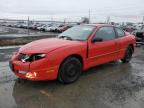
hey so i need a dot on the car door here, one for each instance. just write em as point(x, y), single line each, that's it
point(122, 42)
point(105, 50)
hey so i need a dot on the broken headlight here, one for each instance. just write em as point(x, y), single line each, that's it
point(38, 56)
point(30, 58)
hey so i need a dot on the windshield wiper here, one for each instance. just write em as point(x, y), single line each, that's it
point(66, 37)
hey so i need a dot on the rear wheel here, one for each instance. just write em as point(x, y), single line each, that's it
point(128, 55)
point(70, 70)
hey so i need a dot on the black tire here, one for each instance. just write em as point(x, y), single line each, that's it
point(128, 55)
point(70, 70)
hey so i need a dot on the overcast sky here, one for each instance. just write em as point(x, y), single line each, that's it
point(119, 10)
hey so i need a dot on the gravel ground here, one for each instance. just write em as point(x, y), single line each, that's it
point(20, 32)
point(19, 36)
point(11, 30)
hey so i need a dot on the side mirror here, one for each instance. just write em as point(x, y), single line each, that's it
point(97, 40)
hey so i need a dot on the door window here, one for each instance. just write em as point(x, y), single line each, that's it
point(120, 32)
point(106, 33)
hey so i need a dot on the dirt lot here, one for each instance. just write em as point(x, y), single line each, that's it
point(20, 32)
point(11, 30)
point(19, 36)
point(113, 85)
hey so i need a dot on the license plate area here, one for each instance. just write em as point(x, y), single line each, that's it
point(22, 72)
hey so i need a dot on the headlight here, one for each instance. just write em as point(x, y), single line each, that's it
point(38, 56)
point(25, 58)
point(31, 58)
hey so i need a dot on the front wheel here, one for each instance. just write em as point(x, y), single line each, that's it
point(70, 70)
point(128, 55)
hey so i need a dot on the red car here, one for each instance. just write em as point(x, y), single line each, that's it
point(75, 50)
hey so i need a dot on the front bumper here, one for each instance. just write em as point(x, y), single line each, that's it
point(34, 71)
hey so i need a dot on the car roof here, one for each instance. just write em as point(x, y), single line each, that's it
point(98, 25)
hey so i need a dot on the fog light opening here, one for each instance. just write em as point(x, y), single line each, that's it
point(31, 75)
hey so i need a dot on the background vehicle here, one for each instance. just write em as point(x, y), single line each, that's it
point(55, 27)
point(139, 36)
point(46, 27)
point(63, 28)
point(77, 49)
point(42, 27)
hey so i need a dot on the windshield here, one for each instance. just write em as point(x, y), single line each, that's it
point(79, 32)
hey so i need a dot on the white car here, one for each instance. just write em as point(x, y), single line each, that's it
point(55, 27)
point(48, 28)
point(41, 27)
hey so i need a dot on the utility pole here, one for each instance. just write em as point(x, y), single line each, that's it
point(89, 15)
point(143, 20)
point(52, 19)
point(64, 20)
point(108, 20)
point(28, 25)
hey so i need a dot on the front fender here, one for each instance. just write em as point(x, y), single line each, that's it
point(56, 57)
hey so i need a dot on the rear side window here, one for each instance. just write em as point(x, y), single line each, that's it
point(120, 32)
point(106, 33)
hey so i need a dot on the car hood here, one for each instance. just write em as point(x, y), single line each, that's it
point(46, 45)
